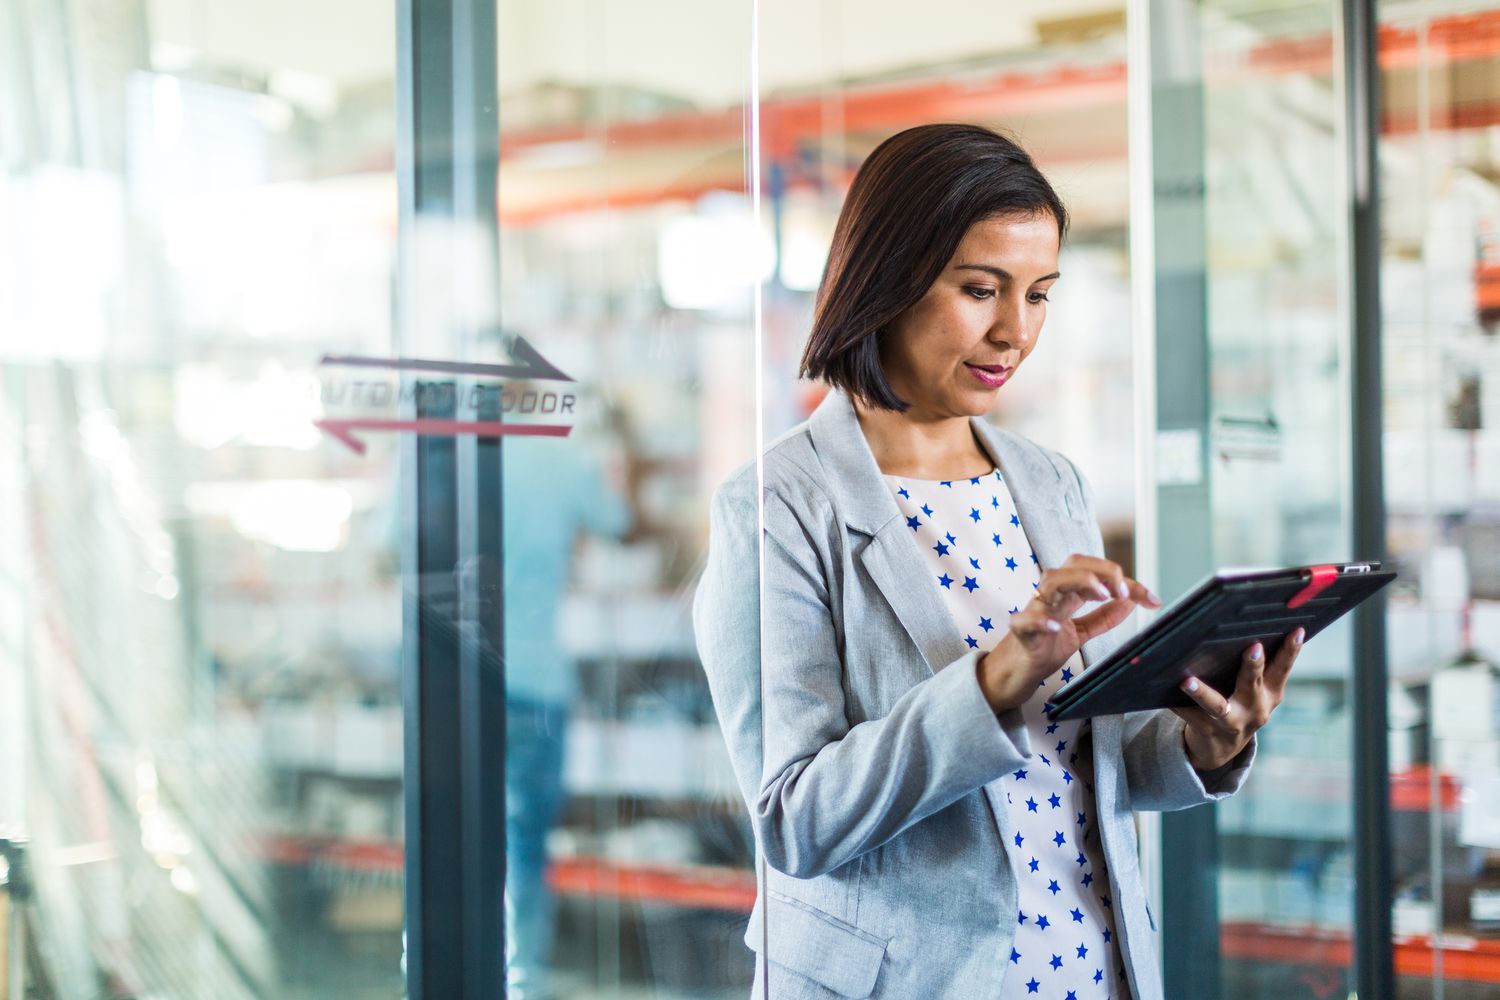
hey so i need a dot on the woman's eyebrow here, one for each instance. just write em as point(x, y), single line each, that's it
point(1001, 272)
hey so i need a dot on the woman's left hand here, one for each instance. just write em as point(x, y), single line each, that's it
point(1219, 728)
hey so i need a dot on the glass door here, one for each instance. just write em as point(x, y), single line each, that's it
point(1242, 193)
point(200, 739)
point(629, 257)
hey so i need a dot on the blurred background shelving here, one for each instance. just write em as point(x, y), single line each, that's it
point(207, 593)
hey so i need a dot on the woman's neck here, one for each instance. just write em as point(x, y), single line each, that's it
point(943, 448)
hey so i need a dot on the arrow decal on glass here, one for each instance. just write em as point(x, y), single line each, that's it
point(532, 366)
point(343, 429)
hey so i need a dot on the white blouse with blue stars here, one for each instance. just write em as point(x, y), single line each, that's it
point(985, 570)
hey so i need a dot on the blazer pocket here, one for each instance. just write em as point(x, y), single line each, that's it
point(820, 946)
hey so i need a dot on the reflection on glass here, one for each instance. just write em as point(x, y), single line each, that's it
point(1439, 268)
point(553, 495)
point(1278, 473)
point(201, 628)
point(628, 257)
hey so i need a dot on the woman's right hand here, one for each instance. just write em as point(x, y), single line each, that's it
point(1044, 634)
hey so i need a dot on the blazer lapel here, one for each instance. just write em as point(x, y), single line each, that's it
point(1050, 516)
point(896, 565)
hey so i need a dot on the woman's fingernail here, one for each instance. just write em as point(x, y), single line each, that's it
point(1053, 626)
point(1152, 595)
point(1124, 589)
point(1257, 651)
point(1299, 635)
point(1191, 684)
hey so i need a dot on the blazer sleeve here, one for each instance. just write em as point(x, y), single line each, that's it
point(1157, 770)
point(822, 792)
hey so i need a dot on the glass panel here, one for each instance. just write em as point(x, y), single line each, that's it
point(200, 641)
point(1440, 277)
point(835, 83)
point(1254, 106)
point(629, 258)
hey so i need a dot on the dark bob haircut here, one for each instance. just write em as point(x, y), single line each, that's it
point(911, 203)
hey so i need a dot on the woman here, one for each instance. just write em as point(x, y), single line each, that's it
point(928, 832)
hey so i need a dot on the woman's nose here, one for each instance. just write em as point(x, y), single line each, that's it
point(1010, 326)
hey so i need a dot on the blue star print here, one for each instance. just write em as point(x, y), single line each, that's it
point(961, 504)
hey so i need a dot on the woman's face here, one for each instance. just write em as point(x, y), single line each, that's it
point(949, 354)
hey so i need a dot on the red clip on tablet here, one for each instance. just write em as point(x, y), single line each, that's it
point(1322, 576)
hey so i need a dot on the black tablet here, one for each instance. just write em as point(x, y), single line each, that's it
point(1206, 633)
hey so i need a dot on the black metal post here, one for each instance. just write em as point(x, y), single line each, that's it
point(1374, 971)
point(447, 159)
point(430, 698)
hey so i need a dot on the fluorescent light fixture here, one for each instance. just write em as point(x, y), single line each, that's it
point(298, 515)
point(714, 259)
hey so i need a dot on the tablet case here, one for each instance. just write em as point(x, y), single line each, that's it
point(1207, 632)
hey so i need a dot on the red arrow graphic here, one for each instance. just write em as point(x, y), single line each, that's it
point(343, 429)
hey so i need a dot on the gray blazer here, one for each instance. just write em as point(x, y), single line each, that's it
point(863, 745)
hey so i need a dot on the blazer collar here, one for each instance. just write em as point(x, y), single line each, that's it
point(854, 480)
point(892, 559)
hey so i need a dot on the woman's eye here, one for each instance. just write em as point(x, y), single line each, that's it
point(1039, 297)
point(980, 292)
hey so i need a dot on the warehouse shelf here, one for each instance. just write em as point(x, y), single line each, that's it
point(786, 121)
point(733, 890)
point(789, 123)
point(1469, 959)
